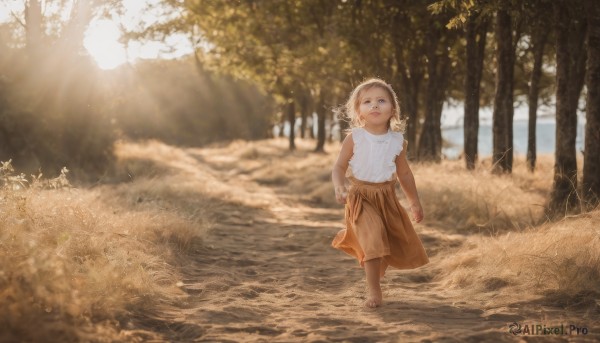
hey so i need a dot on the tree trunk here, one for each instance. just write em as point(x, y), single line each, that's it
point(591, 161)
point(503, 99)
point(303, 119)
point(511, 109)
point(540, 36)
point(321, 116)
point(428, 141)
point(303, 101)
point(282, 122)
point(443, 76)
point(410, 77)
point(569, 77)
point(475, 54)
point(291, 116)
point(311, 126)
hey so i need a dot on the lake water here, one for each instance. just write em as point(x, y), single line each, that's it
point(545, 138)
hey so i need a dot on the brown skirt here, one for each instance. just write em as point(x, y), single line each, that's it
point(377, 226)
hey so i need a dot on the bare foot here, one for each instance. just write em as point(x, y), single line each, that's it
point(374, 299)
point(372, 273)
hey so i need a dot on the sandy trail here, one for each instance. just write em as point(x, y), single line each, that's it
point(269, 274)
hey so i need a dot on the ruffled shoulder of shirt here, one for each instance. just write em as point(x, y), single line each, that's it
point(358, 134)
point(397, 142)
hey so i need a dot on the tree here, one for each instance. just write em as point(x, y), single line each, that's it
point(510, 19)
point(570, 72)
point(408, 28)
point(475, 35)
point(321, 118)
point(438, 70)
point(591, 163)
point(305, 104)
point(291, 115)
point(503, 99)
point(539, 35)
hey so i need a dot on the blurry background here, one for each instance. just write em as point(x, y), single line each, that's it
point(77, 75)
point(70, 85)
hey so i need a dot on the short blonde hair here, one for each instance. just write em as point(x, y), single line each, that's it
point(353, 103)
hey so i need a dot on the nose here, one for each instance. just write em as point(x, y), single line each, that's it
point(375, 105)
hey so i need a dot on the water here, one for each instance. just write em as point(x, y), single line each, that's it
point(545, 138)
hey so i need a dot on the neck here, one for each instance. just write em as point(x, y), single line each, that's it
point(376, 129)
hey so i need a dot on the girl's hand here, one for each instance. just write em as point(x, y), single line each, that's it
point(341, 193)
point(417, 212)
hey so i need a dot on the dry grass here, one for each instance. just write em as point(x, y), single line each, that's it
point(69, 260)
point(560, 261)
point(472, 201)
point(82, 263)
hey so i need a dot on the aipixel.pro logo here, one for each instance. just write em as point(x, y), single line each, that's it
point(543, 330)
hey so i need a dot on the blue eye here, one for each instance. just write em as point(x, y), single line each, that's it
point(381, 101)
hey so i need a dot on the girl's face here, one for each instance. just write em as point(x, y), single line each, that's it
point(375, 107)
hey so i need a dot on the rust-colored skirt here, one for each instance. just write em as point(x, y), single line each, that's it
point(378, 226)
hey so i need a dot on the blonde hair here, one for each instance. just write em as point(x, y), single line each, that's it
point(351, 107)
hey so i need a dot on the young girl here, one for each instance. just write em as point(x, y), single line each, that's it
point(378, 231)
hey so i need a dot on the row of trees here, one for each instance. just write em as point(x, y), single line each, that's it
point(481, 52)
point(308, 55)
point(574, 32)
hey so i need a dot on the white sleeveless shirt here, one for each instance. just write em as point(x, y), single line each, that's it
point(374, 158)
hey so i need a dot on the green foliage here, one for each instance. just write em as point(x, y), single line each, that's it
point(282, 46)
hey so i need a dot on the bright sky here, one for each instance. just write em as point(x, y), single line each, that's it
point(103, 35)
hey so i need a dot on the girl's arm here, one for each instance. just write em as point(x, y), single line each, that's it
point(338, 175)
point(407, 182)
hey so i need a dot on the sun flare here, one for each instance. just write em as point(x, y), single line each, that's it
point(102, 42)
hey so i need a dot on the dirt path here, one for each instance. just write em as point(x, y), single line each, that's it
point(264, 275)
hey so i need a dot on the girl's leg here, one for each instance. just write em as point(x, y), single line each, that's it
point(372, 272)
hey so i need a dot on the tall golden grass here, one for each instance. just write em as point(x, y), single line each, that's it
point(557, 262)
point(462, 200)
point(69, 260)
point(83, 263)
point(93, 263)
